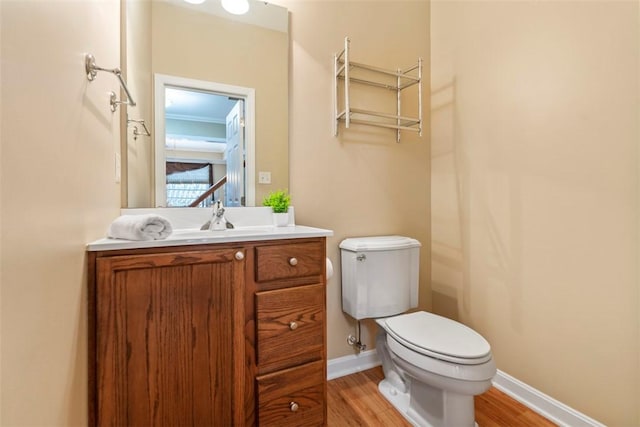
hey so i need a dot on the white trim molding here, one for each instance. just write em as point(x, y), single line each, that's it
point(539, 402)
point(347, 365)
point(535, 400)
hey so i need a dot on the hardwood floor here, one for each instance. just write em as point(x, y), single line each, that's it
point(354, 400)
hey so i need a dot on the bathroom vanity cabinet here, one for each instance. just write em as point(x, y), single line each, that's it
point(213, 334)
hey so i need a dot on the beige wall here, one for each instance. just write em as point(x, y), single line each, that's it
point(535, 184)
point(57, 193)
point(138, 153)
point(206, 47)
point(361, 182)
point(535, 136)
point(1, 364)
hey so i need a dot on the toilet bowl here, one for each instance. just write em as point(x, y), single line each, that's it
point(433, 366)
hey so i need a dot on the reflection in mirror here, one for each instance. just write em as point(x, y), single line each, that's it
point(206, 44)
point(194, 147)
point(208, 155)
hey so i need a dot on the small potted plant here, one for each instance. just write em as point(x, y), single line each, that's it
point(278, 201)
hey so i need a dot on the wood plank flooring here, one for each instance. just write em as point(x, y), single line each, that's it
point(354, 400)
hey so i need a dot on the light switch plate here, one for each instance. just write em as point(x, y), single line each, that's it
point(264, 177)
point(118, 168)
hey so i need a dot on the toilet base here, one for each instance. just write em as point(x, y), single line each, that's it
point(399, 400)
point(402, 402)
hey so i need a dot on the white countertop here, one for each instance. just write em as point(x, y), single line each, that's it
point(195, 236)
point(251, 224)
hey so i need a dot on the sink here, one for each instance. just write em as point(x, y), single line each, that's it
point(194, 233)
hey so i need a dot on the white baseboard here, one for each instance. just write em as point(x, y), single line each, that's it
point(535, 400)
point(539, 402)
point(351, 364)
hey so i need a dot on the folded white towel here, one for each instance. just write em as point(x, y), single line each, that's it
point(140, 227)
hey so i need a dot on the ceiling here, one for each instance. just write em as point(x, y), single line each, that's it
point(261, 13)
point(185, 104)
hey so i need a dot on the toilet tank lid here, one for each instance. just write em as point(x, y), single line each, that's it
point(378, 243)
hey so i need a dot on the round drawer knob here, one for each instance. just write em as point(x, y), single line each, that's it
point(293, 261)
point(294, 406)
point(239, 255)
point(293, 325)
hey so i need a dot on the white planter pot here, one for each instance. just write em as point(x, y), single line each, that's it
point(281, 219)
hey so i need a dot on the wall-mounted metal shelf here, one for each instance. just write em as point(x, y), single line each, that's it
point(402, 79)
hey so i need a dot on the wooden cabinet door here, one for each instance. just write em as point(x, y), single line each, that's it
point(170, 342)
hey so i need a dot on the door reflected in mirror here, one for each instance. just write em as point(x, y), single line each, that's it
point(208, 129)
point(205, 44)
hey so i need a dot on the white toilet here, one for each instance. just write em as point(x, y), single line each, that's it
point(433, 366)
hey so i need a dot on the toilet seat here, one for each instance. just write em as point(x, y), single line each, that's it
point(438, 337)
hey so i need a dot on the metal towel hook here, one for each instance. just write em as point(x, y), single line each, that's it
point(92, 71)
point(136, 132)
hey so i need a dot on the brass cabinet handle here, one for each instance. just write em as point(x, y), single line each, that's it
point(239, 255)
point(294, 406)
point(293, 325)
point(293, 261)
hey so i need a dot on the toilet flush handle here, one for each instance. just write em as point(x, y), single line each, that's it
point(361, 257)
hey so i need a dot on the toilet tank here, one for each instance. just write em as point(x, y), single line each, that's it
point(379, 275)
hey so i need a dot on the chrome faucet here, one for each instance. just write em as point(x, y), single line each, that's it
point(218, 220)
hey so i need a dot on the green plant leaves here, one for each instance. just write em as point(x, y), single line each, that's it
point(278, 200)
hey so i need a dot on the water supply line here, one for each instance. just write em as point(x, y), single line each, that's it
point(357, 342)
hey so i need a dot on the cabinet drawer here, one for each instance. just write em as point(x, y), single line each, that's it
point(293, 397)
point(290, 325)
point(275, 262)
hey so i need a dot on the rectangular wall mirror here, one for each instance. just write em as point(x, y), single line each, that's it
point(175, 43)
